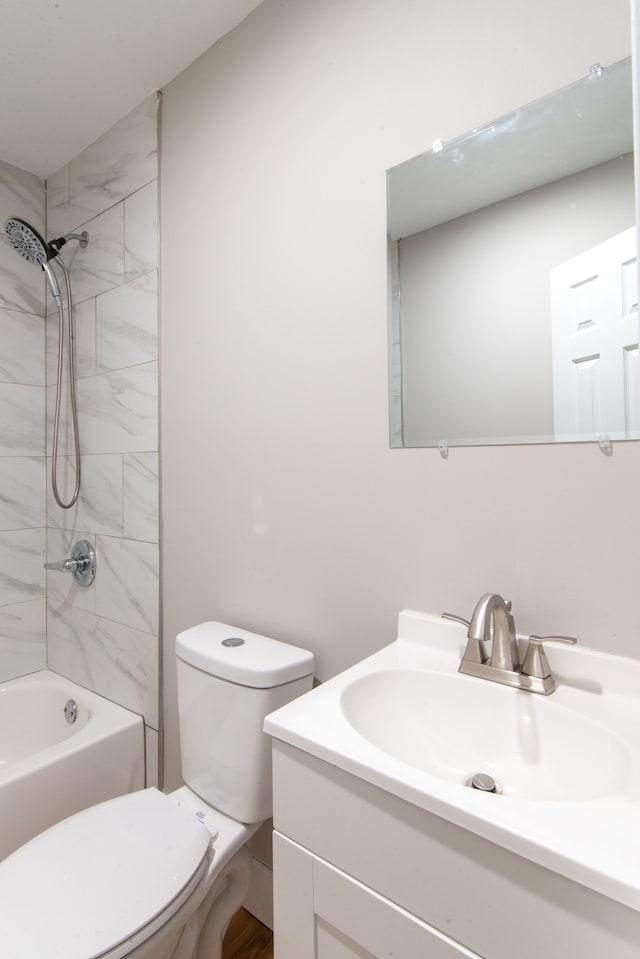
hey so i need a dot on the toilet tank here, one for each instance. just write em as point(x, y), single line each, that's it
point(229, 679)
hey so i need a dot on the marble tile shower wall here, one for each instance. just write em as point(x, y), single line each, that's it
point(22, 436)
point(106, 637)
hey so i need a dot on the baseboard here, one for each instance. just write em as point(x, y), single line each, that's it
point(259, 901)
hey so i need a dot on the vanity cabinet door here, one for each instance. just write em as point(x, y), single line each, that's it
point(322, 913)
point(293, 912)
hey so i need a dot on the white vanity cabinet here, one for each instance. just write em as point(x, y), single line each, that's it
point(361, 873)
point(322, 913)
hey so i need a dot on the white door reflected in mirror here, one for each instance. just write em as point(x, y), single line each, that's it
point(594, 321)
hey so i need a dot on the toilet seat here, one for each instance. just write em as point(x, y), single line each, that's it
point(85, 887)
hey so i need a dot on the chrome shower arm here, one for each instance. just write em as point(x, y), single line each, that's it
point(56, 245)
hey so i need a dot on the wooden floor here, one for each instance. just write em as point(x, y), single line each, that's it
point(246, 938)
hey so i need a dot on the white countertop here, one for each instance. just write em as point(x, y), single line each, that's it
point(595, 842)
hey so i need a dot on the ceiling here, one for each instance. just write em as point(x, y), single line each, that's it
point(70, 69)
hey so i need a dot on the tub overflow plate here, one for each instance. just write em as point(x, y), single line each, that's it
point(71, 710)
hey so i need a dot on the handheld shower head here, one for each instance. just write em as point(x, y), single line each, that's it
point(27, 241)
point(53, 283)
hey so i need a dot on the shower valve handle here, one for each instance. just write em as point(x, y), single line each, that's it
point(81, 564)
point(63, 565)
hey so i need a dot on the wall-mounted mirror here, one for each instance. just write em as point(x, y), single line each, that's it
point(513, 276)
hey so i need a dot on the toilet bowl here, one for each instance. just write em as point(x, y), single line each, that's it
point(155, 876)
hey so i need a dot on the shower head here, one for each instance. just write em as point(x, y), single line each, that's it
point(27, 241)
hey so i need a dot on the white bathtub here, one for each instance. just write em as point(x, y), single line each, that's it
point(49, 768)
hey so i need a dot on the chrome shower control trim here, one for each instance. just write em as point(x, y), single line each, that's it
point(81, 564)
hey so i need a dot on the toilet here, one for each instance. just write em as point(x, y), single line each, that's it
point(155, 876)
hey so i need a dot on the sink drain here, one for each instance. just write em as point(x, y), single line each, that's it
point(485, 783)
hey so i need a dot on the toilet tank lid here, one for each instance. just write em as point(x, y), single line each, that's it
point(242, 657)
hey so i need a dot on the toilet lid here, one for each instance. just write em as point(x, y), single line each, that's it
point(93, 880)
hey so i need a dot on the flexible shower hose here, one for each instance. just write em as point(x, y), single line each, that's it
point(72, 395)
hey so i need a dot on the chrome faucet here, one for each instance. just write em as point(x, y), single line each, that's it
point(492, 622)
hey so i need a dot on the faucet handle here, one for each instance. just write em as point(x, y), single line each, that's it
point(535, 660)
point(456, 619)
point(475, 651)
point(565, 640)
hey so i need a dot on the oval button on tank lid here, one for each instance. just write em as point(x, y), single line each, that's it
point(233, 641)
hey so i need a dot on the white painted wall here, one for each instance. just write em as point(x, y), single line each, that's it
point(283, 508)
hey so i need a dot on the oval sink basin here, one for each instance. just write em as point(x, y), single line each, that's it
point(454, 726)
